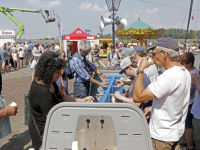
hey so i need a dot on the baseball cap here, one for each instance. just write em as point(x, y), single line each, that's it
point(138, 49)
point(166, 42)
point(125, 63)
point(127, 52)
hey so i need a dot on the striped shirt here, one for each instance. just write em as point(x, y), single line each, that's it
point(5, 128)
point(78, 66)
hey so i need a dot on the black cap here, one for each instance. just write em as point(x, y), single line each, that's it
point(165, 42)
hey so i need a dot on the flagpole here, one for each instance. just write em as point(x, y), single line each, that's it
point(188, 21)
point(60, 36)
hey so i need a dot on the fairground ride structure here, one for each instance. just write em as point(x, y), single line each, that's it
point(7, 12)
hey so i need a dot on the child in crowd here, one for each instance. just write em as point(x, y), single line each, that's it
point(15, 59)
point(21, 57)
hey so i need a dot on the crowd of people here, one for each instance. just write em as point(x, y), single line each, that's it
point(19, 55)
point(170, 101)
point(188, 47)
point(174, 93)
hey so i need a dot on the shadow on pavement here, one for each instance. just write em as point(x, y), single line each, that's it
point(18, 142)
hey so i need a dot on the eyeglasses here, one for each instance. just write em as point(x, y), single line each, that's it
point(182, 63)
point(154, 53)
point(64, 56)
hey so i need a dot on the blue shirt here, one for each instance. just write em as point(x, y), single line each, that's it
point(65, 81)
point(31, 45)
point(78, 66)
point(3, 55)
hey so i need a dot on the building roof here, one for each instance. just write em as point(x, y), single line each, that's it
point(79, 34)
point(139, 25)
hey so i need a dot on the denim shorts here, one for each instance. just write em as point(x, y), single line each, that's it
point(81, 90)
point(189, 117)
point(6, 62)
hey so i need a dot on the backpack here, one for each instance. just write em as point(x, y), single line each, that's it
point(68, 70)
point(29, 49)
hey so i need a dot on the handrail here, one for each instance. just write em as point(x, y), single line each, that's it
point(110, 89)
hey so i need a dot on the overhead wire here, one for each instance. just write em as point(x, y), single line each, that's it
point(166, 5)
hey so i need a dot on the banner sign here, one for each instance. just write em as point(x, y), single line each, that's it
point(59, 25)
point(7, 32)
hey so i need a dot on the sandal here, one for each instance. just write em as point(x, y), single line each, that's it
point(183, 143)
point(189, 149)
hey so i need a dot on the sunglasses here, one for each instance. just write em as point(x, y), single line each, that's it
point(183, 63)
point(154, 53)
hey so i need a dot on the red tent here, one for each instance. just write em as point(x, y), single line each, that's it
point(78, 34)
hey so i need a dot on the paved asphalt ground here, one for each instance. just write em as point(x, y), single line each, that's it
point(15, 85)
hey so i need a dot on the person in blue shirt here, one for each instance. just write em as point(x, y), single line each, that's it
point(63, 79)
point(83, 69)
point(31, 45)
point(3, 54)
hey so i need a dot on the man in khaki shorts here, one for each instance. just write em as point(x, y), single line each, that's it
point(169, 93)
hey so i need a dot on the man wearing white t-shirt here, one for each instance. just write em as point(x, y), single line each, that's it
point(171, 94)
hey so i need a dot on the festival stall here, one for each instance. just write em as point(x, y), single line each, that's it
point(71, 40)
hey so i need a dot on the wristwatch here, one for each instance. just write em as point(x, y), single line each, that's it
point(101, 74)
point(138, 71)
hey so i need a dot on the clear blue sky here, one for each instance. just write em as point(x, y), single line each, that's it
point(86, 15)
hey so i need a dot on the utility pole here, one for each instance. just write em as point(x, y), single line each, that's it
point(188, 21)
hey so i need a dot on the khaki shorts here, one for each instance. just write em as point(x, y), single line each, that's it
point(2, 63)
point(162, 145)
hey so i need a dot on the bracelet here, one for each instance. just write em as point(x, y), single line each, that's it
point(101, 74)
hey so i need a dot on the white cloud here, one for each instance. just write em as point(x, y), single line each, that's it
point(97, 8)
point(174, 17)
point(40, 3)
point(54, 3)
point(152, 11)
point(136, 15)
point(85, 6)
point(90, 6)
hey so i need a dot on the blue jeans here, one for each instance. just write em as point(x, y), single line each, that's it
point(67, 92)
point(81, 90)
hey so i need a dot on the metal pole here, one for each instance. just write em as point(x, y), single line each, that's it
point(113, 28)
point(188, 20)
